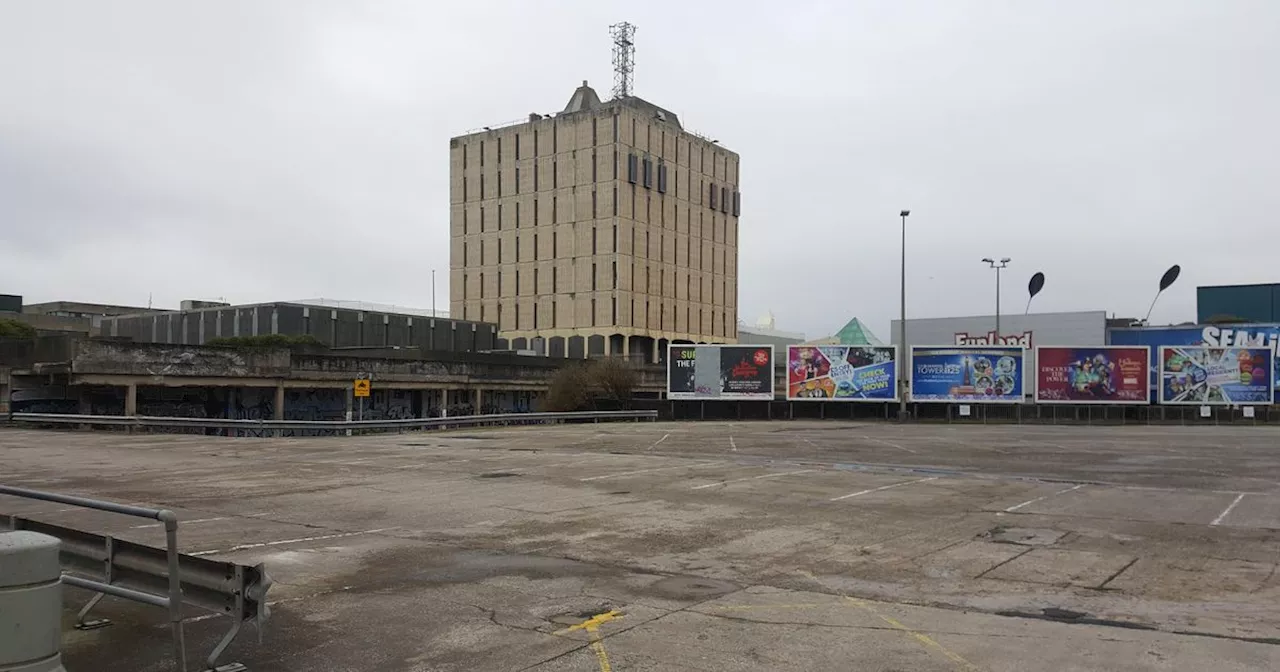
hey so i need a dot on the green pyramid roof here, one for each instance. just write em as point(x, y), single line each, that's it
point(856, 333)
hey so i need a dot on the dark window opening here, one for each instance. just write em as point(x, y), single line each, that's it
point(662, 178)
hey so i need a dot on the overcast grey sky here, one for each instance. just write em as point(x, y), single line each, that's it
point(260, 150)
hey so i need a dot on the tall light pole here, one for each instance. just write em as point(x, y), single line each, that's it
point(999, 267)
point(433, 292)
point(904, 354)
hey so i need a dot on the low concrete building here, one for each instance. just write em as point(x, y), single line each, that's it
point(332, 323)
point(111, 377)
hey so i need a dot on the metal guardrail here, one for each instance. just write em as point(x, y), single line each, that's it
point(158, 577)
point(331, 425)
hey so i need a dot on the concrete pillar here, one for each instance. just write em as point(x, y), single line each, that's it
point(231, 411)
point(278, 411)
point(83, 405)
point(479, 403)
point(131, 399)
point(5, 394)
point(349, 401)
point(626, 347)
point(654, 358)
point(30, 603)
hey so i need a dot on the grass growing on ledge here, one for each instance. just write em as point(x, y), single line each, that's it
point(11, 329)
point(267, 341)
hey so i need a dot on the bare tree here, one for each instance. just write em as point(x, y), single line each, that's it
point(569, 390)
point(614, 380)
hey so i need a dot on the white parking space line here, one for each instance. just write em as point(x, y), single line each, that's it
point(281, 542)
point(732, 444)
point(655, 443)
point(646, 471)
point(889, 443)
point(1015, 507)
point(180, 523)
point(753, 478)
point(1223, 515)
point(883, 487)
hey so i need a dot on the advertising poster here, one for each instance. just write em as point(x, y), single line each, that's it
point(967, 374)
point(1093, 375)
point(1216, 376)
point(720, 372)
point(842, 373)
point(1208, 335)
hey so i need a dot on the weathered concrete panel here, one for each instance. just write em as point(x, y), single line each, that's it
point(245, 316)
point(289, 320)
point(397, 330)
point(190, 328)
point(228, 322)
point(320, 324)
point(264, 314)
point(348, 329)
point(150, 359)
point(442, 335)
point(464, 337)
point(372, 330)
point(486, 337)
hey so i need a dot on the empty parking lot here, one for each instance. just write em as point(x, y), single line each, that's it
point(704, 546)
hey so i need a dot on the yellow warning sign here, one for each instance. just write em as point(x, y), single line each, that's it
point(362, 387)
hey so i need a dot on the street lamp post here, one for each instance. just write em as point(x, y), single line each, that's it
point(904, 353)
point(999, 267)
point(433, 292)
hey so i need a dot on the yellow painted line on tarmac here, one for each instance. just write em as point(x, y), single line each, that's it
point(592, 628)
point(924, 639)
point(802, 605)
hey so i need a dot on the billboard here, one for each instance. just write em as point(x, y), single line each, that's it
point(1093, 375)
point(1216, 376)
point(842, 373)
point(720, 372)
point(976, 374)
point(1226, 336)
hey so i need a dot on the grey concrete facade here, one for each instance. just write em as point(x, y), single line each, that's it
point(335, 327)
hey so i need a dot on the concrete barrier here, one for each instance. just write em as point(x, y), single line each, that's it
point(30, 603)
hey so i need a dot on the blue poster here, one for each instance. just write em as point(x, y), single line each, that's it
point(1215, 376)
point(967, 374)
point(1211, 336)
point(842, 373)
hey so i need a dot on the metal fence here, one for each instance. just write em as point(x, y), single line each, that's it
point(283, 427)
point(162, 578)
point(1048, 414)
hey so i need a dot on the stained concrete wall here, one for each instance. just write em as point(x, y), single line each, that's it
point(139, 359)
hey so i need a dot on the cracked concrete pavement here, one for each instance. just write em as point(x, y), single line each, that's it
point(714, 546)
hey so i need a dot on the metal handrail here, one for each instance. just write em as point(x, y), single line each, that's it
point(406, 423)
point(170, 520)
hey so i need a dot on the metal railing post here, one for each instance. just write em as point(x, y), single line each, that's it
point(175, 589)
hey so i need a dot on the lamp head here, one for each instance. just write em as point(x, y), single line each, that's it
point(989, 260)
point(904, 213)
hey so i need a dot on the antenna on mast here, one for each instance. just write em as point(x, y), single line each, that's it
point(624, 57)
